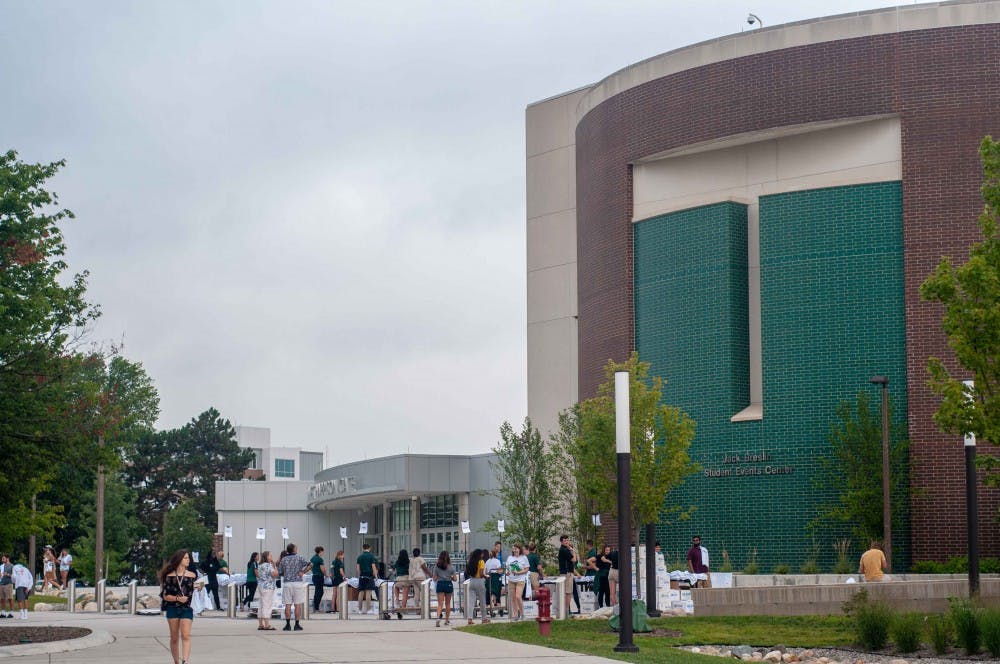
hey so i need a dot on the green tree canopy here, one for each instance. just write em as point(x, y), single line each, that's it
point(852, 472)
point(660, 437)
point(970, 294)
point(529, 485)
point(183, 528)
point(122, 530)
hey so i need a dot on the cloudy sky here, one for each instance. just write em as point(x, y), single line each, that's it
point(310, 215)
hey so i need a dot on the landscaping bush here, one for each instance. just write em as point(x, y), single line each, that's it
point(939, 630)
point(752, 567)
point(965, 620)
point(905, 630)
point(782, 568)
point(989, 623)
point(843, 564)
point(810, 566)
point(870, 619)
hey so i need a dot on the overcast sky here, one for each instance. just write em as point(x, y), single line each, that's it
point(310, 215)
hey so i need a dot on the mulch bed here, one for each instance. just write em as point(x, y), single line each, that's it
point(16, 635)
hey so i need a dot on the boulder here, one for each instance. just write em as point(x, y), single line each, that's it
point(739, 651)
point(773, 656)
point(748, 657)
point(90, 607)
point(789, 657)
point(898, 661)
point(43, 606)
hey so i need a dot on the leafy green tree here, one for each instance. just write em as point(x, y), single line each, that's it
point(183, 529)
point(852, 472)
point(577, 507)
point(529, 486)
point(122, 529)
point(43, 311)
point(970, 295)
point(660, 438)
point(167, 468)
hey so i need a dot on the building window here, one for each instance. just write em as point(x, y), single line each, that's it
point(400, 516)
point(257, 462)
point(439, 512)
point(284, 467)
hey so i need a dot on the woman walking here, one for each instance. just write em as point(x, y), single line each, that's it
point(444, 576)
point(402, 583)
point(337, 576)
point(176, 590)
point(267, 573)
point(251, 587)
point(517, 568)
point(49, 568)
point(65, 562)
point(474, 572)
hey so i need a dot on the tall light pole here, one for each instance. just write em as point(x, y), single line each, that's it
point(971, 502)
point(886, 505)
point(623, 446)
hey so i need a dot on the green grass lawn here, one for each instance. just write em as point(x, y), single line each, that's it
point(43, 599)
point(593, 637)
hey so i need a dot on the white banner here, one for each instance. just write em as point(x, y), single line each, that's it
point(284, 533)
point(465, 527)
point(229, 531)
point(595, 519)
point(260, 533)
point(194, 556)
point(343, 532)
point(363, 530)
point(500, 528)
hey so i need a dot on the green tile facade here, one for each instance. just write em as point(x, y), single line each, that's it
point(832, 316)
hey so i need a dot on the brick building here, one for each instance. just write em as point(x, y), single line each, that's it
point(754, 215)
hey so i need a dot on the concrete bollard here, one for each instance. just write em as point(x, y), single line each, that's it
point(231, 602)
point(383, 599)
point(469, 602)
point(308, 607)
point(71, 596)
point(425, 599)
point(341, 590)
point(133, 597)
point(562, 608)
point(99, 594)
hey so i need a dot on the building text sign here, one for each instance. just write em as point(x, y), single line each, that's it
point(748, 464)
point(342, 486)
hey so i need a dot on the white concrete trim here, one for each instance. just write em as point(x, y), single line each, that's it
point(802, 33)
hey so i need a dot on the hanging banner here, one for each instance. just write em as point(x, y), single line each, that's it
point(260, 533)
point(363, 530)
point(229, 531)
point(500, 526)
point(465, 527)
point(284, 533)
point(194, 557)
point(343, 532)
point(595, 519)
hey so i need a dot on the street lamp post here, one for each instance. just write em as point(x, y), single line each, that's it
point(971, 503)
point(886, 505)
point(623, 447)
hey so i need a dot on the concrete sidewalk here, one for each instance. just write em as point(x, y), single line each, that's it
point(221, 640)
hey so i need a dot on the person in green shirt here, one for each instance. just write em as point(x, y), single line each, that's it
point(251, 585)
point(535, 574)
point(318, 577)
point(367, 573)
point(337, 576)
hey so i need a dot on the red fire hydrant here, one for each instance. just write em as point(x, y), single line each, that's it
point(544, 596)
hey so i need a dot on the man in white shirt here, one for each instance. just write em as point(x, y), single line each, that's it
point(23, 580)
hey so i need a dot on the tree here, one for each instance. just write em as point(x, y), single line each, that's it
point(183, 529)
point(122, 530)
point(852, 472)
point(167, 468)
point(576, 506)
point(42, 315)
point(660, 438)
point(970, 294)
point(529, 486)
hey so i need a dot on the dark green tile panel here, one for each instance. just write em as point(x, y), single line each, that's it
point(832, 316)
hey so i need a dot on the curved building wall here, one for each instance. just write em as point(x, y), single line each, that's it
point(814, 334)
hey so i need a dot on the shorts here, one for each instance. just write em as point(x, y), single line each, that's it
point(6, 592)
point(613, 575)
point(366, 583)
point(21, 594)
point(570, 580)
point(403, 580)
point(533, 580)
point(445, 587)
point(293, 593)
point(180, 612)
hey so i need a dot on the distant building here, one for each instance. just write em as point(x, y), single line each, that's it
point(276, 463)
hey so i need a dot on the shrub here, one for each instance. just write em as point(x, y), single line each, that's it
point(989, 623)
point(927, 567)
point(727, 564)
point(965, 619)
point(782, 568)
point(870, 619)
point(939, 630)
point(906, 631)
point(752, 567)
point(810, 566)
point(843, 564)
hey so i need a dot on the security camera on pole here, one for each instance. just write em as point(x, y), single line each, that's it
point(623, 444)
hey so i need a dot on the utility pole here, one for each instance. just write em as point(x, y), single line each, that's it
point(99, 536)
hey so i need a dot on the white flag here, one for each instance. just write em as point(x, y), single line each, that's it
point(363, 530)
point(260, 533)
point(229, 531)
point(343, 532)
point(284, 533)
point(194, 556)
point(465, 527)
point(500, 526)
point(596, 519)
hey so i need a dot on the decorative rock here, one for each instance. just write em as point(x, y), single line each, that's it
point(773, 656)
point(807, 654)
point(822, 660)
point(709, 650)
point(696, 650)
point(747, 657)
point(42, 606)
point(898, 661)
point(725, 653)
point(90, 607)
point(789, 657)
point(739, 651)
point(757, 656)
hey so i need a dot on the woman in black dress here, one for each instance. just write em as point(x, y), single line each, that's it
point(176, 590)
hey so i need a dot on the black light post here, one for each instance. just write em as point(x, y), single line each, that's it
point(623, 446)
point(651, 609)
point(886, 505)
point(971, 503)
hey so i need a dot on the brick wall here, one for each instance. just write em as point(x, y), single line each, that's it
point(945, 86)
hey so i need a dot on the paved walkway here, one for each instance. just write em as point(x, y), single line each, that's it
point(220, 640)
